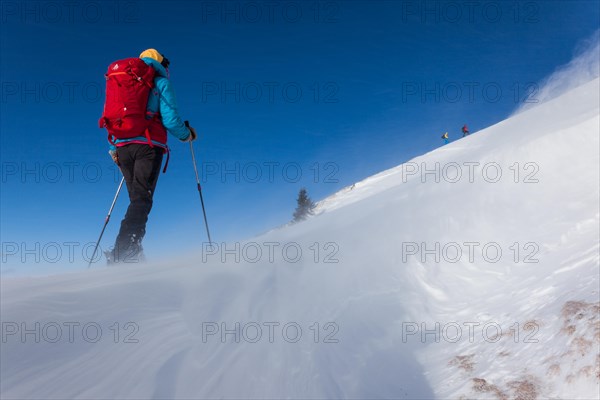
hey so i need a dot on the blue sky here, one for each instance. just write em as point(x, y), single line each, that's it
point(333, 91)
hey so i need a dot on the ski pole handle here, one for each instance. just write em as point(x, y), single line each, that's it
point(187, 124)
point(193, 134)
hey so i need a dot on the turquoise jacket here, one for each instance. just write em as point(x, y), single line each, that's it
point(161, 100)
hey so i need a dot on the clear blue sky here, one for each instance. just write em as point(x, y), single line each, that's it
point(345, 88)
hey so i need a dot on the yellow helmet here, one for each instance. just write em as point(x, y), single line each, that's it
point(152, 53)
point(155, 55)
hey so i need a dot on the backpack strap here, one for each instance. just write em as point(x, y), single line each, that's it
point(165, 149)
point(168, 156)
point(147, 134)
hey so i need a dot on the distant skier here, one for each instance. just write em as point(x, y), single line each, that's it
point(465, 130)
point(446, 138)
point(138, 140)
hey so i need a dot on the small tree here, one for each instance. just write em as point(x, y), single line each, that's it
point(305, 206)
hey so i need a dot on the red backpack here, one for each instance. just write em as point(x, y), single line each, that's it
point(128, 85)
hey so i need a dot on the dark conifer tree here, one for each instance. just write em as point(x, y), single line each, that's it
point(305, 206)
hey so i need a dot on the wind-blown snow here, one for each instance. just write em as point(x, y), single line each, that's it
point(583, 68)
point(371, 305)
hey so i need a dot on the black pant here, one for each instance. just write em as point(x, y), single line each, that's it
point(140, 165)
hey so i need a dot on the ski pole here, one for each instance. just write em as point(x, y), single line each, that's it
point(187, 123)
point(106, 220)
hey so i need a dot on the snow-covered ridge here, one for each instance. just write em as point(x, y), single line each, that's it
point(371, 309)
point(413, 169)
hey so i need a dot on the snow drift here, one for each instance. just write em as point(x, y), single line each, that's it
point(471, 271)
point(583, 68)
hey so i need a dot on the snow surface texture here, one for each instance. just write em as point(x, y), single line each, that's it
point(392, 321)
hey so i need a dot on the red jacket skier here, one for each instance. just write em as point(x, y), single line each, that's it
point(465, 130)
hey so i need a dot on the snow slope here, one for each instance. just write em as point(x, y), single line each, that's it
point(392, 321)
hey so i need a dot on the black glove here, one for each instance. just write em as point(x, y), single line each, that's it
point(114, 156)
point(192, 136)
